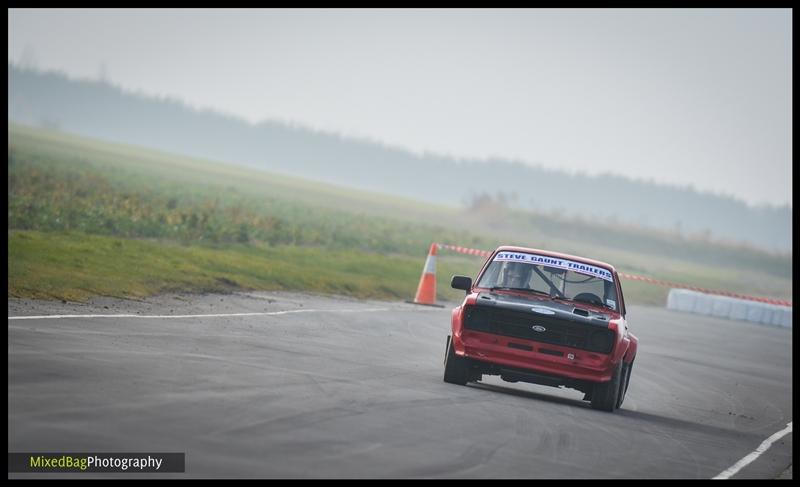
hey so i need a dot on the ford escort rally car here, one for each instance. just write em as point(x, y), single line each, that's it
point(545, 318)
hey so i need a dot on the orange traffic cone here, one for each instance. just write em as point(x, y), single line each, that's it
point(426, 291)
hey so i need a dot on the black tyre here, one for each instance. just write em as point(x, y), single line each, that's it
point(623, 386)
point(606, 394)
point(455, 367)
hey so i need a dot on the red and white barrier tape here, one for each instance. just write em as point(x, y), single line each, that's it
point(464, 250)
point(649, 280)
point(659, 282)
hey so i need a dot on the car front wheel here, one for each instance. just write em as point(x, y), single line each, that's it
point(606, 394)
point(455, 367)
point(623, 386)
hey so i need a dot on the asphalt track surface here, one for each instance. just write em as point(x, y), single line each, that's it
point(339, 388)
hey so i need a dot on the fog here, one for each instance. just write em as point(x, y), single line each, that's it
point(101, 110)
point(688, 97)
point(675, 120)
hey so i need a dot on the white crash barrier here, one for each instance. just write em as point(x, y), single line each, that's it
point(730, 308)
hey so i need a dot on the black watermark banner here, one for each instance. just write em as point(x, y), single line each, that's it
point(126, 462)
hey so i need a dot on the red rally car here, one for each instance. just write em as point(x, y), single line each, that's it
point(545, 318)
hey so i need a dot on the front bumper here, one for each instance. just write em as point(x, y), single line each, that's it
point(544, 358)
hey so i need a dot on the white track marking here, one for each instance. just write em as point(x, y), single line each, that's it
point(220, 315)
point(757, 453)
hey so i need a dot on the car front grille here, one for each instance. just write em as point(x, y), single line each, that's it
point(556, 331)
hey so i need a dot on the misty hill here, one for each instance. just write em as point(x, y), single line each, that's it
point(98, 109)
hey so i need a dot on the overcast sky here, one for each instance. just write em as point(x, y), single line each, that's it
point(686, 97)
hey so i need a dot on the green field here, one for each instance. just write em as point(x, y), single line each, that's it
point(94, 218)
point(75, 266)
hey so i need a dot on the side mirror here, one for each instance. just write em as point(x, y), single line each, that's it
point(461, 282)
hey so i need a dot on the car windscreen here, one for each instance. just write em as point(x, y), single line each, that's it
point(556, 277)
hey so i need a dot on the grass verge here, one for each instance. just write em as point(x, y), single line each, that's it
point(74, 266)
